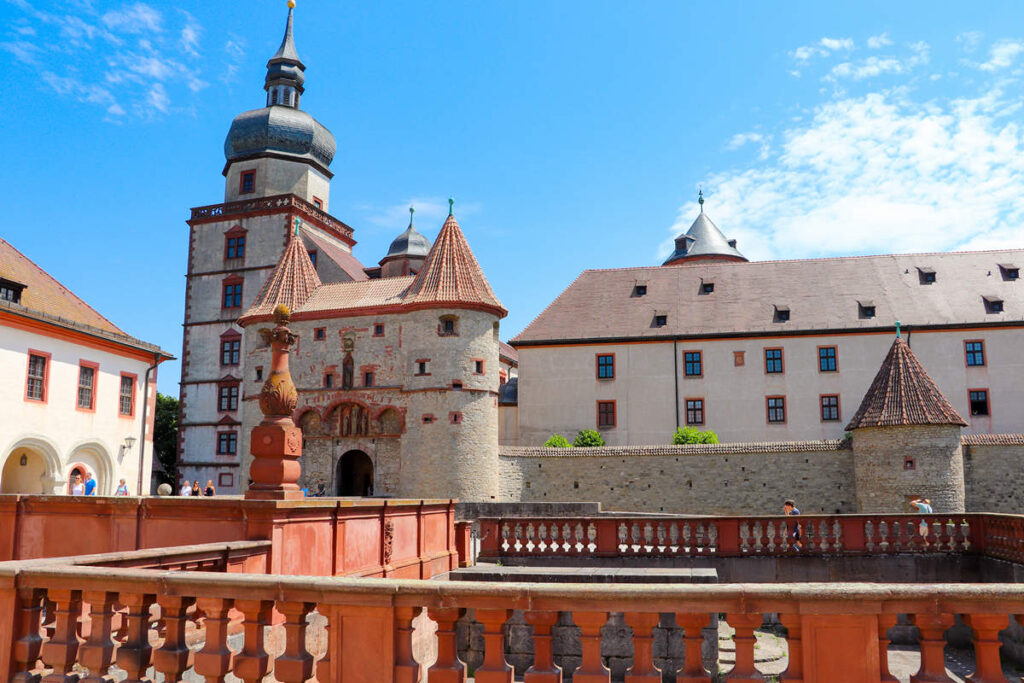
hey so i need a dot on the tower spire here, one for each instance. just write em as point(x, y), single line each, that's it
point(285, 71)
point(700, 198)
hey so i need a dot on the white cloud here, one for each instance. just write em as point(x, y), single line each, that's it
point(158, 98)
point(741, 139)
point(881, 40)
point(879, 173)
point(23, 51)
point(136, 18)
point(834, 44)
point(970, 40)
point(876, 66)
point(1002, 54)
point(822, 48)
point(190, 34)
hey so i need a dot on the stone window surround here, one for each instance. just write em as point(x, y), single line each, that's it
point(455, 417)
point(222, 394)
point(319, 333)
point(428, 418)
point(442, 323)
point(739, 358)
point(227, 445)
point(131, 399)
point(380, 327)
point(248, 173)
point(95, 367)
point(613, 412)
point(699, 361)
point(235, 295)
point(44, 379)
point(228, 340)
point(238, 234)
point(421, 367)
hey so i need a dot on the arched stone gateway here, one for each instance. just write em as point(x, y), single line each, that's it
point(355, 474)
point(31, 466)
point(97, 460)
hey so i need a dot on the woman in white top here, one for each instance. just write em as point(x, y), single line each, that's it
point(77, 487)
point(186, 489)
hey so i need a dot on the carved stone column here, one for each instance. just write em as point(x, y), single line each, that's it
point(276, 443)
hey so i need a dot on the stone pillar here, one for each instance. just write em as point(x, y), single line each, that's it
point(897, 463)
point(276, 443)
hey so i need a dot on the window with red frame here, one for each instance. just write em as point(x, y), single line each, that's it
point(318, 203)
point(35, 388)
point(229, 351)
point(232, 295)
point(228, 398)
point(248, 182)
point(378, 330)
point(367, 379)
point(606, 366)
point(86, 384)
point(605, 414)
point(227, 443)
point(126, 396)
point(234, 247)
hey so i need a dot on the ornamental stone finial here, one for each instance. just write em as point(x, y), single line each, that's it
point(451, 206)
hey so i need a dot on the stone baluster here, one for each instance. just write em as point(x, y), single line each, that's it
point(693, 639)
point(543, 669)
point(744, 625)
point(448, 668)
point(253, 662)
point(794, 628)
point(933, 646)
point(173, 657)
point(987, 667)
point(591, 669)
point(324, 673)
point(61, 651)
point(135, 653)
point(295, 664)
point(494, 668)
point(885, 622)
point(643, 670)
point(25, 650)
point(214, 660)
point(49, 616)
point(407, 670)
point(97, 653)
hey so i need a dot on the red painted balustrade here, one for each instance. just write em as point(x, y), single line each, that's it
point(624, 536)
point(67, 618)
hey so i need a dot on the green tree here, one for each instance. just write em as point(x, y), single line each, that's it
point(165, 435)
point(588, 437)
point(685, 435)
point(557, 441)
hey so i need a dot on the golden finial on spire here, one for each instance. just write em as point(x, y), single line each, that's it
point(291, 4)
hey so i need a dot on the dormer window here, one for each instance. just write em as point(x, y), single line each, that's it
point(866, 309)
point(312, 257)
point(993, 304)
point(1009, 271)
point(926, 275)
point(640, 290)
point(781, 314)
point(660, 320)
point(10, 291)
point(707, 287)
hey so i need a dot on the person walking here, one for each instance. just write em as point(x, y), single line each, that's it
point(77, 487)
point(186, 489)
point(321, 488)
point(790, 508)
point(209, 490)
point(90, 484)
point(196, 491)
point(122, 489)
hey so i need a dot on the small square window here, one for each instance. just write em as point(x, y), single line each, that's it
point(248, 182)
point(926, 276)
point(421, 367)
point(606, 366)
point(427, 419)
point(979, 402)
point(866, 309)
point(478, 367)
point(781, 314)
point(378, 330)
point(975, 351)
point(259, 373)
point(318, 203)
point(1009, 271)
point(320, 333)
point(367, 379)
point(909, 464)
point(640, 290)
point(707, 287)
point(448, 327)
point(993, 304)
point(456, 385)
point(660, 320)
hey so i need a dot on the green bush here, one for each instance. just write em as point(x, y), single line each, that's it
point(686, 435)
point(557, 441)
point(588, 437)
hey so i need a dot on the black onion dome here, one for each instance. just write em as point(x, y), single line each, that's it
point(279, 129)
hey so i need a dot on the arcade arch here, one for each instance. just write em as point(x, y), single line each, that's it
point(31, 466)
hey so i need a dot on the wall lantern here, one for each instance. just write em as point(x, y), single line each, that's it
point(129, 441)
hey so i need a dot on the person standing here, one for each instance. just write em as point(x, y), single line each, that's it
point(186, 489)
point(122, 489)
point(209, 491)
point(790, 508)
point(196, 491)
point(77, 487)
point(922, 506)
point(90, 484)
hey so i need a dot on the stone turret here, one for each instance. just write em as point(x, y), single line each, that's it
point(906, 440)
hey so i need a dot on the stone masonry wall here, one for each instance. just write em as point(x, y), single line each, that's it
point(721, 479)
point(994, 472)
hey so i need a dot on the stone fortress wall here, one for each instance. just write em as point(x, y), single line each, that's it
point(743, 478)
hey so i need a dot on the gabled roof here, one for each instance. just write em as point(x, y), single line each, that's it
point(351, 296)
point(343, 258)
point(903, 393)
point(451, 275)
point(44, 298)
point(291, 283)
point(822, 295)
point(703, 239)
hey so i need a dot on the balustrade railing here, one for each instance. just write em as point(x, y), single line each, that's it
point(81, 621)
point(625, 536)
point(216, 212)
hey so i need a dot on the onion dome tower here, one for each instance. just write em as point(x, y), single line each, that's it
point(407, 252)
point(703, 242)
point(281, 129)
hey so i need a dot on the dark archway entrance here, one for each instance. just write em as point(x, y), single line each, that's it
point(355, 474)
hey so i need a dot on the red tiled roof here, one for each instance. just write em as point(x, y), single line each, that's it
point(344, 258)
point(44, 294)
point(509, 352)
point(341, 296)
point(992, 439)
point(451, 275)
point(903, 393)
point(293, 280)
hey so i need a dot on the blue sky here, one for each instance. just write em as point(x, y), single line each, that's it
point(573, 135)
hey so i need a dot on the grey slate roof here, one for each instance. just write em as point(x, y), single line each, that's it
point(409, 243)
point(821, 295)
point(287, 50)
point(508, 393)
point(279, 129)
point(703, 239)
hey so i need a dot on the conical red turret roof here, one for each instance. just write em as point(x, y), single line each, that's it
point(293, 280)
point(451, 276)
point(904, 394)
